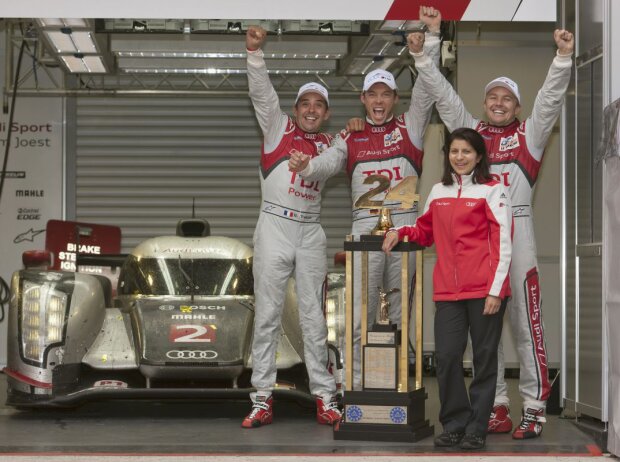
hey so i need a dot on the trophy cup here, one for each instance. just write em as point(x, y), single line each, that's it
point(389, 407)
point(403, 192)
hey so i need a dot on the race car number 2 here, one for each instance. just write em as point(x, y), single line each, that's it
point(191, 333)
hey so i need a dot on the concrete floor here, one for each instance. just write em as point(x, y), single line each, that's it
point(186, 430)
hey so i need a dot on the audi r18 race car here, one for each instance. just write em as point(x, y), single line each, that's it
point(178, 326)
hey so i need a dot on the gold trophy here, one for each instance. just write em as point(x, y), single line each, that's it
point(389, 406)
point(403, 192)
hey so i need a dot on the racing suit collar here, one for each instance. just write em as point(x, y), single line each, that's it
point(369, 120)
point(500, 129)
point(463, 180)
point(306, 135)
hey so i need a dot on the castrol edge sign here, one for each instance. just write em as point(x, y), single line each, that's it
point(464, 10)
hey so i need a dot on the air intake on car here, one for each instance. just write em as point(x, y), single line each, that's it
point(193, 227)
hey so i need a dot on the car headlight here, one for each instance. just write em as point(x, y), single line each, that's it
point(43, 311)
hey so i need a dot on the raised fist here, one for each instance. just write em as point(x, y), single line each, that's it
point(255, 37)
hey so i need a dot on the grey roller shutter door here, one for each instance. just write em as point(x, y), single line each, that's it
point(141, 160)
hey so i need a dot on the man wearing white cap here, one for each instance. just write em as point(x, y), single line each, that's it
point(288, 238)
point(390, 146)
point(515, 150)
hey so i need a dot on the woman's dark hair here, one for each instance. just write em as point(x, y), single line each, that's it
point(481, 172)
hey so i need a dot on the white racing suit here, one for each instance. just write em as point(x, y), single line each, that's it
point(395, 150)
point(288, 238)
point(515, 154)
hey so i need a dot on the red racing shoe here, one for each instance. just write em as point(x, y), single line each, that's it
point(500, 421)
point(327, 411)
point(261, 413)
point(531, 424)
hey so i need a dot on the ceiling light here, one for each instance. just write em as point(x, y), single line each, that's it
point(80, 64)
point(61, 42)
point(221, 71)
point(68, 41)
point(75, 23)
point(84, 42)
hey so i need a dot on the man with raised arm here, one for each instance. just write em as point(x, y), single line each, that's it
point(288, 238)
point(388, 145)
point(515, 151)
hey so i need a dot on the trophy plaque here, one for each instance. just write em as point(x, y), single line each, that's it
point(389, 407)
point(380, 354)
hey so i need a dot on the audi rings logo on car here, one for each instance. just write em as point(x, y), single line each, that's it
point(191, 354)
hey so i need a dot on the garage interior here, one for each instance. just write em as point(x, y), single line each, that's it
point(164, 124)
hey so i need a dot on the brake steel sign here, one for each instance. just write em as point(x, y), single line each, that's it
point(466, 10)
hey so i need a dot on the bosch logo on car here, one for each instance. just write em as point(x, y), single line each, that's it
point(190, 308)
point(191, 354)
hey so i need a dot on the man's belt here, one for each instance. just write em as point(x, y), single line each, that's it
point(290, 214)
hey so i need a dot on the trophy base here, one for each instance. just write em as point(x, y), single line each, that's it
point(384, 416)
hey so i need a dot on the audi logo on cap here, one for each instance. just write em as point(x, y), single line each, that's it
point(191, 354)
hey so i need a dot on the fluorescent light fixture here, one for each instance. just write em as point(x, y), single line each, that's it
point(391, 25)
point(220, 71)
point(385, 63)
point(400, 25)
point(359, 66)
point(61, 42)
point(66, 22)
point(78, 64)
point(184, 54)
point(84, 42)
point(72, 42)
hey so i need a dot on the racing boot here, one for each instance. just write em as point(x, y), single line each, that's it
point(531, 424)
point(327, 410)
point(500, 421)
point(261, 413)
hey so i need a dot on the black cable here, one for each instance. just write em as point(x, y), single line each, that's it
point(4, 297)
point(4, 287)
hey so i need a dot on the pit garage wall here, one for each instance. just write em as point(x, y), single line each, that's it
point(33, 188)
point(611, 225)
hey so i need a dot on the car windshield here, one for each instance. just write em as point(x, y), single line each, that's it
point(200, 276)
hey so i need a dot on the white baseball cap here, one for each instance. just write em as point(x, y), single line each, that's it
point(379, 76)
point(312, 87)
point(506, 83)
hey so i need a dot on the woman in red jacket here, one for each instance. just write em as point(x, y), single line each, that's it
point(468, 218)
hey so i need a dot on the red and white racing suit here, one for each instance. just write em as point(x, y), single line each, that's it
point(395, 150)
point(288, 238)
point(515, 154)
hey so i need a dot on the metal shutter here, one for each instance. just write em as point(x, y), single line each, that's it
point(141, 160)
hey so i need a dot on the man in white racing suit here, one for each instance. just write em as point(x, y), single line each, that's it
point(288, 238)
point(515, 151)
point(390, 146)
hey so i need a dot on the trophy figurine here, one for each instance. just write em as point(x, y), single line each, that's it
point(384, 306)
